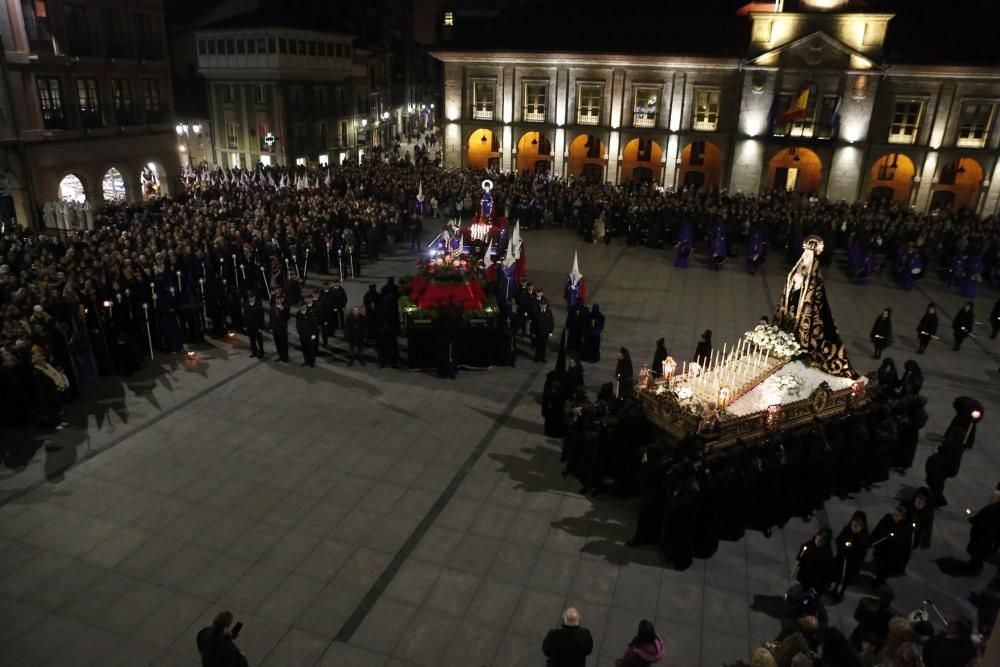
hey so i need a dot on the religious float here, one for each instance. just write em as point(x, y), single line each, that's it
point(775, 377)
point(448, 294)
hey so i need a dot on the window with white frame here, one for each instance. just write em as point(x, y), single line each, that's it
point(706, 110)
point(646, 106)
point(974, 124)
point(534, 101)
point(588, 103)
point(484, 93)
point(905, 121)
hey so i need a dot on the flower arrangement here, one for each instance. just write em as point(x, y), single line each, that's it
point(684, 392)
point(786, 384)
point(444, 270)
point(776, 342)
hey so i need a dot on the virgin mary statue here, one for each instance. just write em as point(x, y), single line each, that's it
point(804, 312)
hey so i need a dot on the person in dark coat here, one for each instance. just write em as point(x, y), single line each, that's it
point(543, 326)
point(338, 299)
point(887, 377)
point(306, 327)
point(568, 645)
point(217, 644)
point(873, 615)
point(881, 334)
point(852, 549)
point(704, 348)
point(253, 321)
point(962, 325)
point(913, 379)
point(953, 647)
point(984, 533)
point(644, 650)
point(279, 326)
point(388, 346)
point(927, 328)
point(892, 541)
point(593, 328)
point(371, 304)
point(624, 374)
point(574, 377)
point(327, 314)
point(355, 330)
point(920, 513)
point(814, 569)
point(659, 355)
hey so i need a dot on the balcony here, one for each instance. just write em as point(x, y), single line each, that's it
point(588, 117)
point(906, 137)
point(971, 141)
point(482, 113)
point(535, 116)
point(705, 125)
point(644, 119)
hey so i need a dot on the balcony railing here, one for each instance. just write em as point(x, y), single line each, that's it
point(705, 125)
point(587, 117)
point(233, 145)
point(482, 114)
point(971, 142)
point(902, 137)
point(54, 120)
point(534, 116)
point(644, 120)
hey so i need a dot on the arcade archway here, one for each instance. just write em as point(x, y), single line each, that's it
point(586, 157)
point(958, 185)
point(891, 178)
point(534, 153)
point(483, 150)
point(795, 169)
point(701, 166)
point(71, 189)
point(641, 160)
point(113, 185)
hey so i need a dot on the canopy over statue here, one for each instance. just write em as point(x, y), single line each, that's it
point(804, 312)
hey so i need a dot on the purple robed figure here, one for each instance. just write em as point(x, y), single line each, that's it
point(855, 257)
point(973, 276)
point(912, 265)
point(756, 252)
point(717, 253)
point(864, 274)
point(685, 244)
point(956, 271)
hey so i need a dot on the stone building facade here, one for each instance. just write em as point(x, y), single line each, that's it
point(922, 135)
point(88, 107)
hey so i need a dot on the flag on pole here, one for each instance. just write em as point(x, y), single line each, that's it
point(518, 248)
point(509, 270)
point(799, 107)
point(490, 264)
point(576, 286)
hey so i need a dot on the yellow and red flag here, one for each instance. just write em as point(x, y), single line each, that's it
point(799, 107)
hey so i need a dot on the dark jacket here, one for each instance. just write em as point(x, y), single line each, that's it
point(944, 651)
point(356, 329)
point(279, 320)
point(305, 324)
point(218, 650)
point(253, 316)
point(641, 655)
point(567, 646)
point(882, 331)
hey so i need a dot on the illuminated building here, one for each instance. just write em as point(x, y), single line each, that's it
point(88, 105)
point(687, 111)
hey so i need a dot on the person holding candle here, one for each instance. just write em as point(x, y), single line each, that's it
point(881, 334)
point(927, 328)
point(920, 513)
point(984, 533)
point(852, 549)
point(659, 356)
point(814, 568)
point(892, 541)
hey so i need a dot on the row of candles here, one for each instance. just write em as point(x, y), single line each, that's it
point(722, 367)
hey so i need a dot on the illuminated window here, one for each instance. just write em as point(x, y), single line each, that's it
point(265, 160)
point(324, 160)
point(300, 162)
point(646, 105)
point(905, 121)
point(151, 98)
point(483, 99)
point(534, 102)
point(449, 18)
point(819, 122)
point(588, 105)
point(706, 110)
point(974, 124)
point(87, 97)
point(50, 99)
point(232, 135)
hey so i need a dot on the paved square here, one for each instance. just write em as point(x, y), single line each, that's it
point(358, 516)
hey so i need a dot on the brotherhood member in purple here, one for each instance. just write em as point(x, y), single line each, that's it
point(756, 251)
point(973, 277)
point(685, 245)
point(911, 266)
